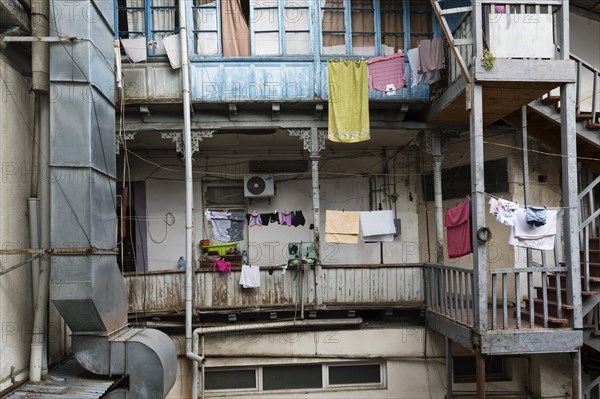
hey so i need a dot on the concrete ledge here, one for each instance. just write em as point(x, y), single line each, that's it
point(530, 341)
point(526, 70)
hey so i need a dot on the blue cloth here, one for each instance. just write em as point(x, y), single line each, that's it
point(535, 216)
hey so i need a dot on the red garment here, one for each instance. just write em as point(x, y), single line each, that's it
point(386, 70)
point(458, 222)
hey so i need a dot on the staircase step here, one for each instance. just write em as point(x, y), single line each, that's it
point(593, 126)
point(539, 319)
point(551, 292)
point(584, 115)
point(551, 100)
point(594, 255)
point(563, 279)
point(595, 243)
point(538, 306)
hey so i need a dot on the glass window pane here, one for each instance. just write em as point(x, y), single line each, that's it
point(420, 22)
point(206, 43)
point(267, 43)
point(333, 20)
point(205, 18)
point(363, 45)
point(292, 377)
point(266, 19)
point(230, 379)
point(135, 22)
point(334, 44)
point(296, 3)
point(355, 374)
point(297, 43)
point(296, 19)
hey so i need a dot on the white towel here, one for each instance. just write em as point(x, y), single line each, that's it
point(250, 276)
point(135, 48)
point(528, 236)
point(377, 226)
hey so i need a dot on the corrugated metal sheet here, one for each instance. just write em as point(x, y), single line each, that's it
point(69, 380)
point(165, 292)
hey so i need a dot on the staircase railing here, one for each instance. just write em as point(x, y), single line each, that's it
point(585, 68)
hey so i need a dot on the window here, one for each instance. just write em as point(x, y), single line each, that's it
point(296, 376)
point(279, 27)
point(230, 379)
point(355, 374)
point(153, 19)
point(224, 195)
point(496, 369)
point(354, 27)
point(292, 377)
point(457, 181)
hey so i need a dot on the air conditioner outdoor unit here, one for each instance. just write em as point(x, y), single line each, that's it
point(259, 186)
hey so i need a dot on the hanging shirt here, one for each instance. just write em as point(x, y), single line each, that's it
point(298, 219)
point(504, 210)
point(220, 225)
point(255, 220)
point(386, 73)
point(458, 226)
point(431, 54)
point(286, 218)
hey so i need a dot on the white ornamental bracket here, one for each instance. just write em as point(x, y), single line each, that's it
point(197, 137)
point(311, 145)
point(121, 139)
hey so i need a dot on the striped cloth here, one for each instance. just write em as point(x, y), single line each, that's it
point(385, 71)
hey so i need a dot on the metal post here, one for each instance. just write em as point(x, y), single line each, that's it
point(314, 157)
point(437, 189)
point(449, 368)
point(480, 374)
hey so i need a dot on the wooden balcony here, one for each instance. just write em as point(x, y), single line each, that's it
point(343, 287)
point(520, 317)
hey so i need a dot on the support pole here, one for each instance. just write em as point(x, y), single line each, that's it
point(477, 182)
point(314, 157)
point(437, 189)
point(480, 374)
point(576, 376)
point(449, 368)
point(569, 178)
point(525, 169)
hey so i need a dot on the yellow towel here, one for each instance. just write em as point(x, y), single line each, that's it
point(341, 227)
point(348, 101)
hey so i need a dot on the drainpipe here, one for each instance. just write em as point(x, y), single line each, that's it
point(276, 325)
point(437, 189)
point(189, 195)
point(40, 157)
point(314, 158)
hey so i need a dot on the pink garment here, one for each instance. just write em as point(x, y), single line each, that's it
point(385, 71)
point(500, 9)
point(286, 218)
point(458, 222)
point(222, 266)
point(255, 220)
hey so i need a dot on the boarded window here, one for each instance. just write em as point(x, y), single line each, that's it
point(292, 377)
point(230, 379)
point(355, 374)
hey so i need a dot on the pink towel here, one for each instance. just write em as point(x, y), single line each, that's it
point(222, 265)
point(458, 221)
point(386, 70)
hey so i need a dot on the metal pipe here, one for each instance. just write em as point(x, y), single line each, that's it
point(314, 158)
point(437, 189)
point(34, 242)
point(480, 374)
point(449, 368)
point(189, 194)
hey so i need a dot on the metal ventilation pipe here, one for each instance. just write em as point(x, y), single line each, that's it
point(88, 290)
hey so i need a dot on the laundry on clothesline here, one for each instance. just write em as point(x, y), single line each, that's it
point(377, 226)
point(250, 276)
point(342, 227)
point(226, 226)
point(527, 235)
point(284, 218)
point(386, 73)
point(458, 227)
point(535, 216)
point(503, 210)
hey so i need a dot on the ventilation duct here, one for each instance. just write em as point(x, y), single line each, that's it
point(88, 290)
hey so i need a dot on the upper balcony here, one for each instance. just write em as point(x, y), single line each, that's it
point(519, 57)
point(268, 50)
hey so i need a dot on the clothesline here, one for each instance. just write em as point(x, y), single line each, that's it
point(496, 197)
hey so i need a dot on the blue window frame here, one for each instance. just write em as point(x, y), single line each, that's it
point(152, 19)
point(373, 27)
point(276, 27)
